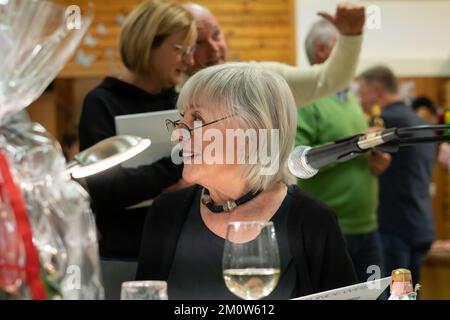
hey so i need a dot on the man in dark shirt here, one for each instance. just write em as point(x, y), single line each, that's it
point(404, 214)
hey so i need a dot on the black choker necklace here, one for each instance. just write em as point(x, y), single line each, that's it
point(229, 205)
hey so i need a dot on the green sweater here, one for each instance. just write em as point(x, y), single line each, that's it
point(349, 188)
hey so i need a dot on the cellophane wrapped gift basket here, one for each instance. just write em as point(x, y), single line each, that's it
point(48, 242)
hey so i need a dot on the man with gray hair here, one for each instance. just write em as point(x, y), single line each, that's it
point(307, 84)
point(405, 213)
point(350, 188)
point(320, 41)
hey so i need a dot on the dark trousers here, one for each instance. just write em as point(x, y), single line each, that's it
point(398, 253)
point(365, 251)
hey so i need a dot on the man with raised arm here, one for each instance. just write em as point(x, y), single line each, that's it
point(306, 83)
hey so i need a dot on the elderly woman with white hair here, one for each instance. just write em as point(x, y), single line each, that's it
point(184, 231)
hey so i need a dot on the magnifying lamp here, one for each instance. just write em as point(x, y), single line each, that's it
point(106, 154)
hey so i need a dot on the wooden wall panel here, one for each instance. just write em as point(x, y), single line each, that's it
point(428, 86)
point(44, 111)
point(441, 202)
point(255, 30)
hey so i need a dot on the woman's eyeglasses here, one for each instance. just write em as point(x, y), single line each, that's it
point(184, 51)
point(177, 124)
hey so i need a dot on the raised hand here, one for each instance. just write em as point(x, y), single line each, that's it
point(349, 18)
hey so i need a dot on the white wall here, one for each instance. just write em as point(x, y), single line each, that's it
point(414, 38)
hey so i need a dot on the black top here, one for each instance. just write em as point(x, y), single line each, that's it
point(315, 241)
point(118, 188)
point(196, 272)
point(405, 205)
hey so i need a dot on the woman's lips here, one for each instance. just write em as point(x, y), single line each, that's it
point(181, 70)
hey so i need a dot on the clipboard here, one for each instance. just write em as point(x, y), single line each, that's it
point(150, 125)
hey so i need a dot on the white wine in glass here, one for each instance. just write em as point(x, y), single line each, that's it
point(251, 263)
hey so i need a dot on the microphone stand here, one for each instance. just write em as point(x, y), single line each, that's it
point(404, 138)
point(308, 160)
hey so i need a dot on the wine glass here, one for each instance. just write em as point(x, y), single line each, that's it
point(251, 262)
point(144, 290)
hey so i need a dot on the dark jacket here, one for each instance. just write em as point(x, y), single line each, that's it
point(118, 188)
point(405, 204)
point(316, 243)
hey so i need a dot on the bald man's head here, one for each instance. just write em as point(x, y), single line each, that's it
point(211, 48)
point(196, 10)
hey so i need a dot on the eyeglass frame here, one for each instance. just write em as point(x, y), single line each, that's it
point(176, 124)
point(184, 51)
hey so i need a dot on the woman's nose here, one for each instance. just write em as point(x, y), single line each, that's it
point(190, 59)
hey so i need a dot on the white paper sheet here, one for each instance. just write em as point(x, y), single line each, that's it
point(370, 290)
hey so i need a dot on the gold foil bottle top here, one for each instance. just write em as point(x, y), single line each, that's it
point(401, 275)
point(402, 286)
point(376, 111)
point(375, 117)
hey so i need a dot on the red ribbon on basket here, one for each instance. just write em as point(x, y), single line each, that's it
point(32, 265)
